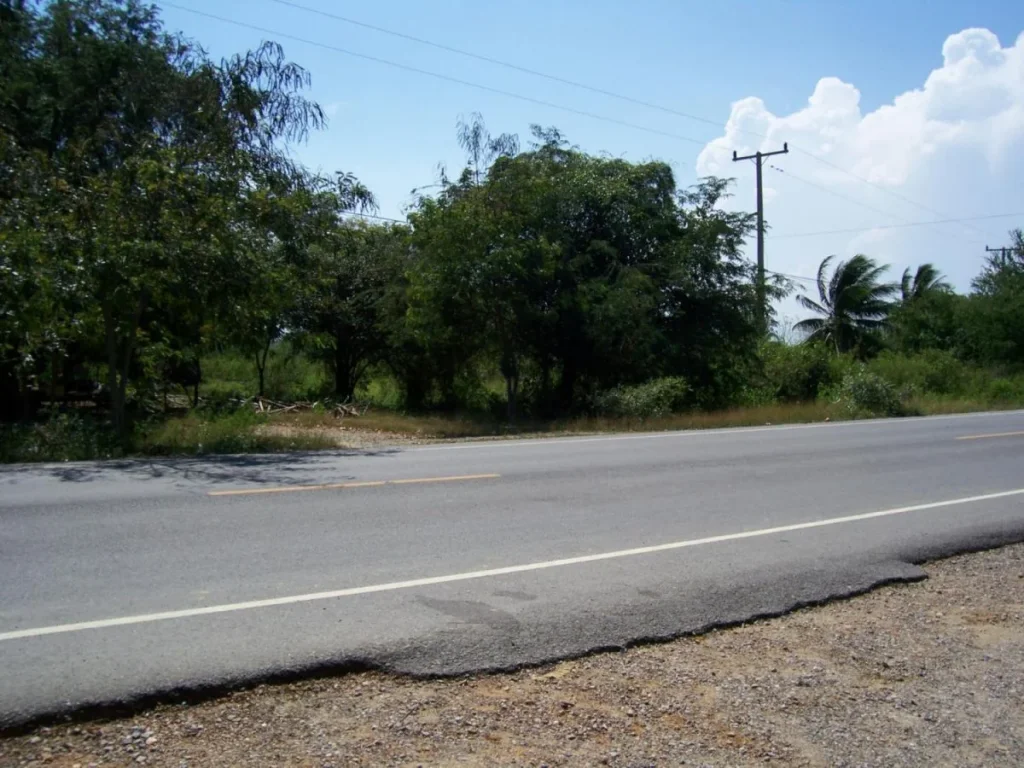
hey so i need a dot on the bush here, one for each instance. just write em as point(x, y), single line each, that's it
point(863, 394)
point(63, 437)
point(796, 372)
point(1006, 390)
point(655, 398)
point(933, 371)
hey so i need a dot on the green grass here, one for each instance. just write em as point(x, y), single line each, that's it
point(239, 432)
point(74, 437)
point(290, 375)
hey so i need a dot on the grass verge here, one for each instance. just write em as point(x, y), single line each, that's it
point(73, 437)
point(69, 437)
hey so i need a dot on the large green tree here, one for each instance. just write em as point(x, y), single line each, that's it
point(154, 158)
point(341, 316)
point(574, 272)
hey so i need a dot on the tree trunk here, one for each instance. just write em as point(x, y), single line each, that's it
point(344, 386)
point(119, 362)
point(116, 400)
point(566, 386)
point(510, 370)
point(261, 363)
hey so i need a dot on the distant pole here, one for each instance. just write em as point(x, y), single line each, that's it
point(1004, 253)
point(758, 158)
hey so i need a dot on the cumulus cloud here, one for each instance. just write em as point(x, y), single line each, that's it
point(975, 99)
point(952, 147)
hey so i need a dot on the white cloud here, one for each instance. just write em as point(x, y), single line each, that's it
point(955, 145)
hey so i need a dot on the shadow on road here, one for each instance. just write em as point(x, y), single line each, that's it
point(265, 469)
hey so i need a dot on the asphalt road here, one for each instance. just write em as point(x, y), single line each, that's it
point(129, 582)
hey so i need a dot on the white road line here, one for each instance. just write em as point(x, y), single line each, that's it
point(697, 432)
point(432, 580)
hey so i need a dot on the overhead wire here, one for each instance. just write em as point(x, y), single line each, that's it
point(802, 278)
point(499, 62)
point(437, 75)
point(853, 200)
point(373, 216)
point(899, 226)
point(888, 191)
point(603, 92)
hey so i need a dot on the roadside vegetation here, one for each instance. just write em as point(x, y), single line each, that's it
point(163, 261)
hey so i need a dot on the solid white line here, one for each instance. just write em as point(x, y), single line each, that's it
point(432, 580)
point(524, 442)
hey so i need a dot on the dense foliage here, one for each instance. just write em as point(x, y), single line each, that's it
point(153, 225)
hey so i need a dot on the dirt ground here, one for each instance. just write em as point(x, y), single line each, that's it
point(929, 674)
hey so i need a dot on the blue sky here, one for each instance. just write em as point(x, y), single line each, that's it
point(392, 127)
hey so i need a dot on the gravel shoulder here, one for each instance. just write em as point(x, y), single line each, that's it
point(923, 674)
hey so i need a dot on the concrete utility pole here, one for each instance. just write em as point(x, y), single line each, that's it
point(758, 158)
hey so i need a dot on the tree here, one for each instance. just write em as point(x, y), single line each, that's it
point(341, 314)
point(151, 151)
point(993, 317)
point(853, 304)
point(479, 283)
point(571, 273)
point(289, 218)
point(926, 280)
point(481, 148)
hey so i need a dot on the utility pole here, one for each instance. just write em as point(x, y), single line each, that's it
point(758, 158)
point(1004, 253)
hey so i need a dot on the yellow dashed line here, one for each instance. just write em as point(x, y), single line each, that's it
point(363, 484)
point(994, 434)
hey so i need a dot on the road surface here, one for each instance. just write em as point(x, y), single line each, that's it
point(128, 582)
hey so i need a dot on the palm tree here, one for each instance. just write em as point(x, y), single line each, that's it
point(926, 280)
point(852, 303)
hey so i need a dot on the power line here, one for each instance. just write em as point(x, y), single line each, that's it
point(898, 226)
point(601, 91)
point(848, 199)
point(373, 216)
point(501, 63)
point(437, 75)
point(802, 278)
point(922, 206)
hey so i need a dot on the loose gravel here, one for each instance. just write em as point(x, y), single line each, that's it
point(928, 674)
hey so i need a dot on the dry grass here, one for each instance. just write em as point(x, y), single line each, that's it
point(455, 427)
point(934, 406)
point(794, 413)
point(443, 427)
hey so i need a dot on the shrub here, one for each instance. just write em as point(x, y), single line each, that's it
point(796, 372)
point(1006, 390)
point(63, 437)
point(655, 398)
point(933, 371)
point(864, 394)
